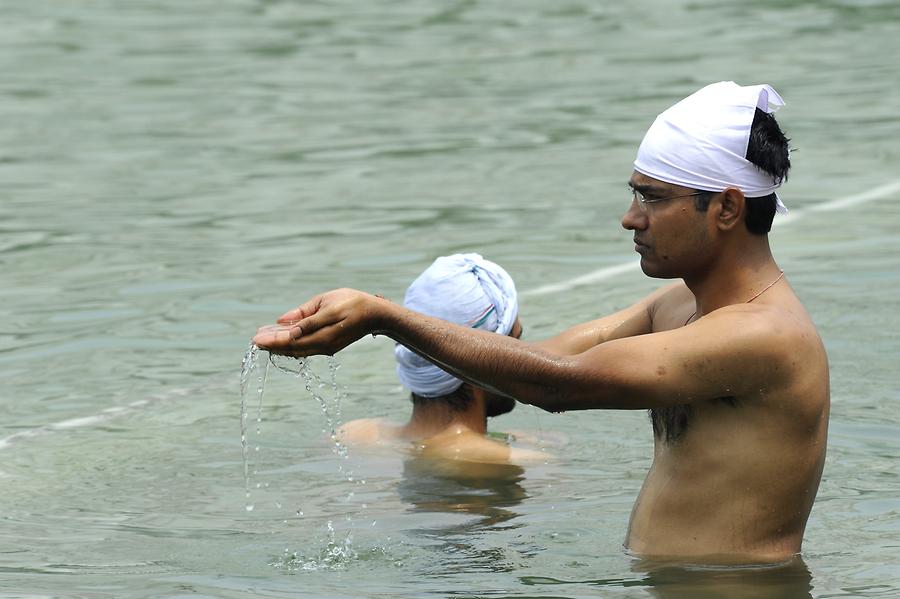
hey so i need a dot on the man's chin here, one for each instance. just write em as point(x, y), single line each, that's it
point(652, 269)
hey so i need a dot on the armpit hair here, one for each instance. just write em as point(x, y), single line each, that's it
point(670, 422)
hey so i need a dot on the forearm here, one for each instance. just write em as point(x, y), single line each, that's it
point(634, 369)
point(329, 322)
point(495, 362)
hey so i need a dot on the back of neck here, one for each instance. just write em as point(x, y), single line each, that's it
point(436, 417)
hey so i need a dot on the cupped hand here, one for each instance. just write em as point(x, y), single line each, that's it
point(324, 325)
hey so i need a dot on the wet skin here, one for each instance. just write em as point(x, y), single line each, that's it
point(738, 484)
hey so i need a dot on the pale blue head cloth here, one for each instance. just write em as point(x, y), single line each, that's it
point(464, 289)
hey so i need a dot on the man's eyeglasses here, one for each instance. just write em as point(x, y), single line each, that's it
point(643, 200)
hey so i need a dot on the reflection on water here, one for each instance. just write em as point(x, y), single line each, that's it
point(784, 581)
point(791, 580)
point(485, 491)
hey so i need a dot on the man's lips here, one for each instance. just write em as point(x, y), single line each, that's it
point(638, 243)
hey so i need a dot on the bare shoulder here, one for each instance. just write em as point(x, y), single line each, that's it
point(465, 446)
point(782, 340)
point(522, 456)
point(673, 293)
point(739, 350)
point(670, 306)
point(774, 329)
point(366, 431)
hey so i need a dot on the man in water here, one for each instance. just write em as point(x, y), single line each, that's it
point(449, 417)
point(727, 360)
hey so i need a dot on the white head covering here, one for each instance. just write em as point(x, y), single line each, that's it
point(463, 289)
point(701, 142)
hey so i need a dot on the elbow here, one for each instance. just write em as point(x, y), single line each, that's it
point(545, 397)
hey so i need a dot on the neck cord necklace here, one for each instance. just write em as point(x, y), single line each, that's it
point(766, 288)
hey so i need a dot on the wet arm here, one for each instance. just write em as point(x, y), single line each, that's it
point(717, 355)
point(636, 319)
point(723, 354)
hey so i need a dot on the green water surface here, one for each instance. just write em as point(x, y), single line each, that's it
point(174, 174)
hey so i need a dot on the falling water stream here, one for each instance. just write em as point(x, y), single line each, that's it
point(337, 552)
point(248, 366)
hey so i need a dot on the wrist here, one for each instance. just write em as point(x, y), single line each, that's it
point(380, 315)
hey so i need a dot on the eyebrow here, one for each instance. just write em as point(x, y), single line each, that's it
point(643, 188)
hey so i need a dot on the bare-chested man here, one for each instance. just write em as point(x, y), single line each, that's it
point(728, 361)
point(449, 416)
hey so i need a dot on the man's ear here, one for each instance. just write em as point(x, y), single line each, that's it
point(732, 205)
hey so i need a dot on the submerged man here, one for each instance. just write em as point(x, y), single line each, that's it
point(449, 417)
point(727, 360)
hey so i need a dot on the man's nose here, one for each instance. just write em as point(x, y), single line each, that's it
point(634, 218)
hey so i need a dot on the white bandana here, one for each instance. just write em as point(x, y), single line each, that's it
point(463, 289)
point(701, 142)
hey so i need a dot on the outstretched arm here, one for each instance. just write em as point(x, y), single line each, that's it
point(712, 357)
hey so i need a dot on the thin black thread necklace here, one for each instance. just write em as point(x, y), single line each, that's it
point(767, 287)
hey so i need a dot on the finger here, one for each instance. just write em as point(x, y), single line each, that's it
point(300, 312)
point(322, 342)
point(276, 339)
point(289, 317)
point(316, 322)
point(272, 328)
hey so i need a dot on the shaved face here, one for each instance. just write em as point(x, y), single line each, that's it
point(669, 233)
